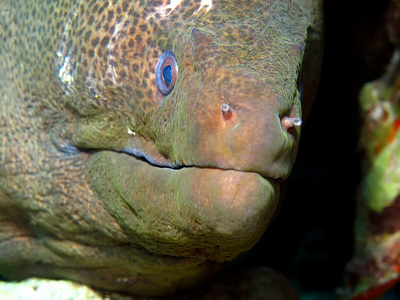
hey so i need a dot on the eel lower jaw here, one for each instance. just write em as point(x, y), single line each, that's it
point(199, 212)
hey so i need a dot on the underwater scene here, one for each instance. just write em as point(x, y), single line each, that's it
point(200, 149)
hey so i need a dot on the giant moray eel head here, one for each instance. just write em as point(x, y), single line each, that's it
point(189, 162)
point(236, 92)
point(234, 96)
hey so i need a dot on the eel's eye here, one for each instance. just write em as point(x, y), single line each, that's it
point(166, 72)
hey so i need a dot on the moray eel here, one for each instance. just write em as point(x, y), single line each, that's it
point(143, 142)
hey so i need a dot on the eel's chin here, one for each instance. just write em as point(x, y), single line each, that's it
point(203, 213)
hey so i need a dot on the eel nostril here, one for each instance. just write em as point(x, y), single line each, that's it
point(226, 111)
point(288, 122)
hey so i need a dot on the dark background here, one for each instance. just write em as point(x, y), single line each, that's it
point(312, 238)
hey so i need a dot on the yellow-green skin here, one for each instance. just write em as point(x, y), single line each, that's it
point(106, 181)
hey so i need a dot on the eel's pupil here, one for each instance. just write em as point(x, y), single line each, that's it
point(167, 74)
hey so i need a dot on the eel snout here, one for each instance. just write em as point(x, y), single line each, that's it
point(257, 140)
point(244, 129)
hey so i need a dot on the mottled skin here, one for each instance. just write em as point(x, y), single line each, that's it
point(106, 181)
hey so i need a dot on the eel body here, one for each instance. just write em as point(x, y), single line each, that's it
point(142, 142)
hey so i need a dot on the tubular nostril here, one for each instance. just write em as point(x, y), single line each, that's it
point(226, 111)
point(288, 122)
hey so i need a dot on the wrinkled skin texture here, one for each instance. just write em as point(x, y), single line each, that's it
point(106, 181)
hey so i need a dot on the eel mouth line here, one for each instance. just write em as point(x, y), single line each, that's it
point(175, 167)
point(160, 162)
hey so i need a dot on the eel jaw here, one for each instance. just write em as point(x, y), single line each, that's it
point(203, 213)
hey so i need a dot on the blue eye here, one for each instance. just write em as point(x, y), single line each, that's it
point(166, 72)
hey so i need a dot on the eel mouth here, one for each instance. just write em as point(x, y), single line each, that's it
point(159, 161)
point(147, 151)
point(205, 212)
